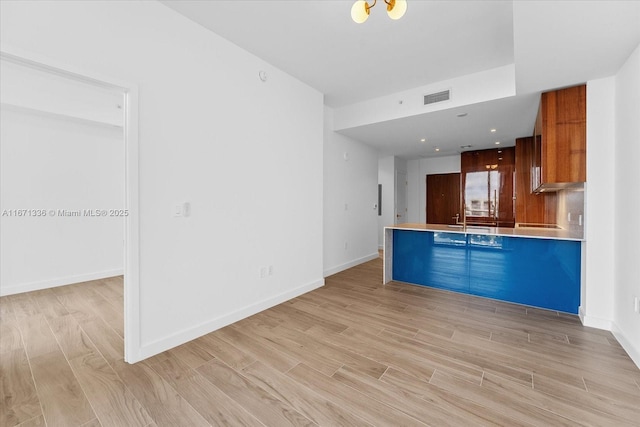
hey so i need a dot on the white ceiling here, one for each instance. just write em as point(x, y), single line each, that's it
point(317, 42)
point(446, 131)
point(552, 44)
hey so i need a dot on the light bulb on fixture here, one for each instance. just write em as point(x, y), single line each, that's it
point(396, 8)
point(361, 9)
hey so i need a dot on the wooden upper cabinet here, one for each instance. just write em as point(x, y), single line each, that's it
point(482, 160)
point(531, 208)
point(560, 140)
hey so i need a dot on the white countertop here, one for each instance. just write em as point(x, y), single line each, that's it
point(529, 232)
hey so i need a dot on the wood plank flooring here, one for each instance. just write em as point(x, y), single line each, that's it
point(353, 353)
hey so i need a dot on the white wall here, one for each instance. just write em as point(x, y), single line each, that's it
point(417, 172)
point(597, 288)
point(627, 205)
point(350, 200)
point(247, 154)
point(386, 177)
point(611, 233)
point(61, 153)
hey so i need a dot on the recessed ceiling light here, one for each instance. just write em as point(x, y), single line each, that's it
point(423, 139)
point(437, 149)
point(462, 115)
point(497, 142)
point(493, 131)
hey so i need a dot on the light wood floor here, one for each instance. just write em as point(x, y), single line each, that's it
point(351, 353)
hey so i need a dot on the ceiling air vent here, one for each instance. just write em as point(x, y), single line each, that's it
point(437, 97)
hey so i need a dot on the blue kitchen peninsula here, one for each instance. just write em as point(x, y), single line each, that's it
point(536, 267)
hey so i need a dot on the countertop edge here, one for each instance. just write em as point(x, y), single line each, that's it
point(494, 231)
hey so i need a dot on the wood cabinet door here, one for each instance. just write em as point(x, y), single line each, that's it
point(564, 135)
point(531, 208)
point(443, 198)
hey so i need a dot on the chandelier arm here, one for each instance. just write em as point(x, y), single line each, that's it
point(367, 7)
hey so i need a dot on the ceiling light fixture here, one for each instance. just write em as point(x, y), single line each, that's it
point(497, 142)
point(423, 140)
point(493, 131)
point(437, 149)
point(361, 9)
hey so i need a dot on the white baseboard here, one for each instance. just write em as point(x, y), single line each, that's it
point(594, 322)
point(60, 281)
point(608, 325)
point(632, 350)
point(186, 335)
point(337, 269)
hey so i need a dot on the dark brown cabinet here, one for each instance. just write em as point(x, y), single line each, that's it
point(487, 184)
point(560, 140)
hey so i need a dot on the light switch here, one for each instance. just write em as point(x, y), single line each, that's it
point(182, 209)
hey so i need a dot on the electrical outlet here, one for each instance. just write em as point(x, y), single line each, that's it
point(271, 270)
point(636, 305)
point(263, 272)
point(345, 246)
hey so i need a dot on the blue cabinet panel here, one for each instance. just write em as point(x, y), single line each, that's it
point(538, 272)
point(431, 259)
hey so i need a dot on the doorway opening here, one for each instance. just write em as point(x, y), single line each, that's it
point(69, 181)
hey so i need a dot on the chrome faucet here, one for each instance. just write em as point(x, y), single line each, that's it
point(464, 218)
